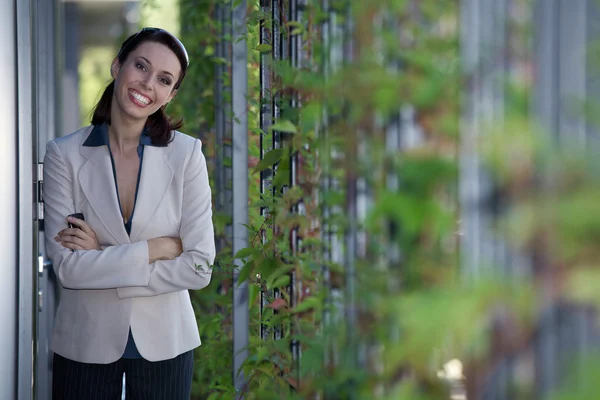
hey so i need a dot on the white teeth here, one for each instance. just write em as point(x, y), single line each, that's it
point(140, 98)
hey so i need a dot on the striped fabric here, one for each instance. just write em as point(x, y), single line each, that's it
point(161, 380)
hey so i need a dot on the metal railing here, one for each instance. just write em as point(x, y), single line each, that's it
point(487, 56)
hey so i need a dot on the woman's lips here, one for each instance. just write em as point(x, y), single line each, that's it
point(139, 99)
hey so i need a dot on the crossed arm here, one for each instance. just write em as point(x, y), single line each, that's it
point(147, 268)
point(82, 237)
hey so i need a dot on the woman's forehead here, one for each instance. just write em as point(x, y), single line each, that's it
point(159, 55)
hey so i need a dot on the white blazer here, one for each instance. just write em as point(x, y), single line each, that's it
point(106, 292)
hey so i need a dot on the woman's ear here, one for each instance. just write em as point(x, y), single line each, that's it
point(115, 67)
point(171, 97)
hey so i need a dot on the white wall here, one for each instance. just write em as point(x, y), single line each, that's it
point(8, 202)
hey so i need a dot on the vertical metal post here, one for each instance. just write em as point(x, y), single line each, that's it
point(396, 132)
point(546, 105)
point(27, 226)
point(564, 30)
point(239, 83)
point(469, 172)
point(332, 58)
point(483, 54)
point(273, 105)
point(56, 65)
point(46, 90)
point(352, 179)
point(593, 74)
point(223, 123)
point(278, 53)
point(9, 240)
point(324, 184)
point(572, 69)
point(483, 48)
point(296, 8)
point(70, 119)
point(350, 241)
point(545, 95)
point(220, 11)
point(266, 120)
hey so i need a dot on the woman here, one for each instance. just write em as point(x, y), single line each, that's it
point(146, 238)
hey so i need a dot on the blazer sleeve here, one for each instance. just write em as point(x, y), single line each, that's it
point(122, 265)
point(193, 268)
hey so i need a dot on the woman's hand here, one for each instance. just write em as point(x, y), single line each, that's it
point(164, 248)
point(82, 237)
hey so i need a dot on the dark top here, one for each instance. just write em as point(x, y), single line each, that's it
point(99, 137)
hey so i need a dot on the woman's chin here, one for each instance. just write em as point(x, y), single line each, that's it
point(136, 113)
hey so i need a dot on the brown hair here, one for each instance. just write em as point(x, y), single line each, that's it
point(159, 124)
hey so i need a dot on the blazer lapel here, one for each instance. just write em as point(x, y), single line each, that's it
point(97, 183)
point(155, 180)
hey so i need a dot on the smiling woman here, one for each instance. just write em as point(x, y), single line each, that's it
point(146, 240)
point(150, 65)
point(149, 54)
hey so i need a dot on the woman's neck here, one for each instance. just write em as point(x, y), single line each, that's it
point(124, 135)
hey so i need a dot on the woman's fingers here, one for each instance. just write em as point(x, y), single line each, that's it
point(74, 232)
point(72, 246)
point(80, 237)
point(72, 239)
point(76, 239)
point(82, 225)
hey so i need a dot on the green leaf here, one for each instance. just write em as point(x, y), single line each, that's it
point(282, 175)
point(272, 157)
point(282, 281)
point(253, 292)
point(307, 304)
point(282, 178)
point(245, 273)
point(267, 266)
point(279, 274)
point(245, 252)
point(264, 48)
point(284, 126)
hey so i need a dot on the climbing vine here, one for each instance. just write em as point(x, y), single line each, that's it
point(355, 290)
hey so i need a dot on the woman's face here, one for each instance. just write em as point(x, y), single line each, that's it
point(146, 80)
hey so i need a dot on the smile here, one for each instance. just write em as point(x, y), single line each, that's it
point(139, 98)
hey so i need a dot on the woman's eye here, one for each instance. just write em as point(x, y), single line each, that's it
point(140, 66)
point(165, 81)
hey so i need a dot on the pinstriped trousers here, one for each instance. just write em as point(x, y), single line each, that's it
point(144, 380)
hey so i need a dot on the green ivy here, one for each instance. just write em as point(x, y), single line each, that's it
point(414, 312)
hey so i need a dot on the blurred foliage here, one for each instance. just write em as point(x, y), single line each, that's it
point(161, 14)
point(94, 75)
point(582, 381)
point(415, 309)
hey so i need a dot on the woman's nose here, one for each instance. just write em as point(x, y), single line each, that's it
point(147, 82)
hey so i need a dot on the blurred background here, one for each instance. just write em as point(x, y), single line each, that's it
point(406, 192)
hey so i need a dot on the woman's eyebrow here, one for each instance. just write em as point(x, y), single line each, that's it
point(148, 61)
